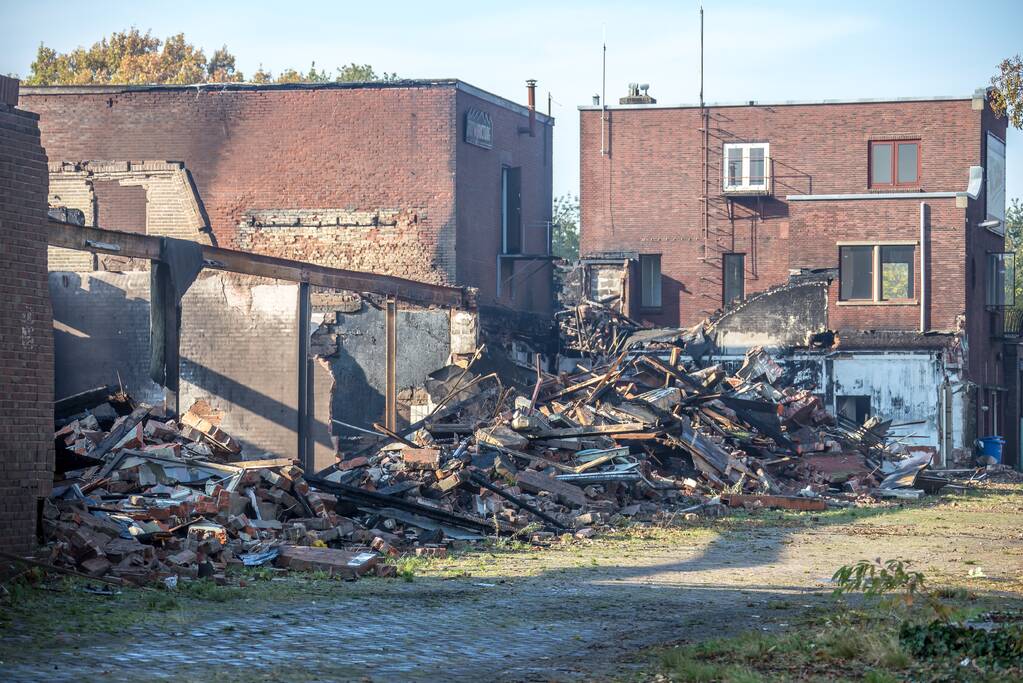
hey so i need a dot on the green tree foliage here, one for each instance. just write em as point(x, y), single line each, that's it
point(1007, 94)
point(1014, 241)
point(565, 227)
point(351, 73)
point(135, 58)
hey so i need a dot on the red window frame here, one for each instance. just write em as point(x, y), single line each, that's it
point(894, 144)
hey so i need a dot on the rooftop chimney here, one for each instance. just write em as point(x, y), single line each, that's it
point(638, 94)
point(9, 91)
point(531, 94)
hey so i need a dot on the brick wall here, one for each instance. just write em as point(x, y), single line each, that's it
point(254, 153)
point(362, 149)
point(238, 347)
point(645, 194)
point(479, 205)
point(26, 344)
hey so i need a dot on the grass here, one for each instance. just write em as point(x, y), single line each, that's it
point(838, 643)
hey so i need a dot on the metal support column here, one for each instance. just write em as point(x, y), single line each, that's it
point(391, 391)
point(305, 455)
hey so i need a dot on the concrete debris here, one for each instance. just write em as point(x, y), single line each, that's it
point(642, 431)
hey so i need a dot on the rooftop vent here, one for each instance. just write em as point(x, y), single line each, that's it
point(638, 94)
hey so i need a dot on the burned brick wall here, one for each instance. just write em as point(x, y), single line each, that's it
point(149, 197)
point(785, 316)
point(350, 347)
point(266, 149)
point(26, 342)
point(239, 345)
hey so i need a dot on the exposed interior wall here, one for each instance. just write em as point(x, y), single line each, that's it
point(905, 387)
point(238, 347)
point(350, 352)
point(103, 191)
point(781, 317)
point(342, 238)
point(239, 352)
point(26, 345)
point(263, 149)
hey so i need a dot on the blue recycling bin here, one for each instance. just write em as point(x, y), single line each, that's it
point(991, 446)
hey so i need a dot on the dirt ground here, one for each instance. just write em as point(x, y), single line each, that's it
point(581, 610)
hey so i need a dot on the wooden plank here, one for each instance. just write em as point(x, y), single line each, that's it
point(591, 430)
point(565, 493)
point(783, 502)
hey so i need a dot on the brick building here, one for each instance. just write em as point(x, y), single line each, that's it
point(437, 181)
point(893, 207)
point(26, 343)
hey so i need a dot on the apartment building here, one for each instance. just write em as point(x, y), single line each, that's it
point(863, 239)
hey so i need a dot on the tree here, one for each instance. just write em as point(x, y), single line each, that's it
point(135, 58)
point(565, 227)
point(350, 73)
point(1014, 241)
point(1007, 93)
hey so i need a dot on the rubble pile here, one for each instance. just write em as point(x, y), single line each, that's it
point(639, 431)
point(161, 500)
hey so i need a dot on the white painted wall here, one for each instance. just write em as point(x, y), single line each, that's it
point(904, 386)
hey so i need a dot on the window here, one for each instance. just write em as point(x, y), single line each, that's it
point(877, 272)
point(650, 280)
point(1001, 280)
point(897, 272)
point(894, 164)
point(747, 167)
point(511, 210)
point(856, 273)
point(734, 277)
point(995, 173)
point(856, 409)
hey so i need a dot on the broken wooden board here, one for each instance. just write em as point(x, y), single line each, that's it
point(736, 500)
point(566, 494)
point(347, 565)
point(591, 430)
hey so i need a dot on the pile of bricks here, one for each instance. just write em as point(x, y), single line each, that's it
point(159, 500)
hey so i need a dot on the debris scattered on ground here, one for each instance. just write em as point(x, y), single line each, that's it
point(640, 430)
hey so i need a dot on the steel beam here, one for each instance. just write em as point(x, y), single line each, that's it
point(134, 245)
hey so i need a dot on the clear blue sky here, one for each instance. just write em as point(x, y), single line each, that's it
point(754, 50)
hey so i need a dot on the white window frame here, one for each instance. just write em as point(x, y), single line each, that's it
point(745, 185)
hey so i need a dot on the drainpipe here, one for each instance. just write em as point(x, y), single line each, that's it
point(923, 267)
point(531, 92)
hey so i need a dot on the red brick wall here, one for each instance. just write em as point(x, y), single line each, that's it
point(26, 342)
point(645, 196)
point(354, 148)
point(478, 189)
point(120, 207)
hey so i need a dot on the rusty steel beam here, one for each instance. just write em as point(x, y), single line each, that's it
point(134, 245)
point(391, 366)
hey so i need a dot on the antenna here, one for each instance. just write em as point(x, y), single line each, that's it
point(701, 55)
point(603, 96)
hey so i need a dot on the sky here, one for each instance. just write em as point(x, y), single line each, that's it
point(766, 51)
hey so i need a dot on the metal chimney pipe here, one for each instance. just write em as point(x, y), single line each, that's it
point(531, 94)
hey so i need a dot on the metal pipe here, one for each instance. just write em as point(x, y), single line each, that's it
point(531, 101)
point(923, 267)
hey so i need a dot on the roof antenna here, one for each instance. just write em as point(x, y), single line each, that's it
point(701, 55)
point(603, 96)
